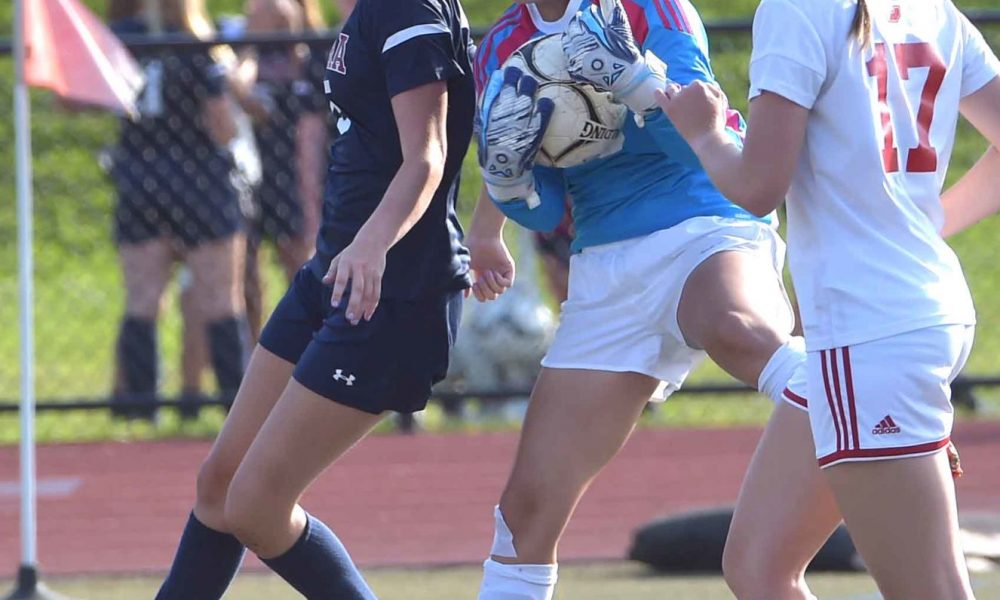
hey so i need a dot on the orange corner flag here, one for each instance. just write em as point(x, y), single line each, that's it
point(71, 52)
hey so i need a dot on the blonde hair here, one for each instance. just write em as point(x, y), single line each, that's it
point(861, 28)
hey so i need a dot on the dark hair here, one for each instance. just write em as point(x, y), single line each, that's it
point(861, 28)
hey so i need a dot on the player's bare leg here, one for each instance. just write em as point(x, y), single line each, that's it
point(266, 377)
point(304, 434)
point(881, 501)
point(576, 422)
point(146, 269)
point(784, 514)
point(734, 306)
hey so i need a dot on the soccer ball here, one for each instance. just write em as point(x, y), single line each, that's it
point(586, 123)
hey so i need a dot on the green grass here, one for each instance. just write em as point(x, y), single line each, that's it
point(79, 288)
point(576, 582)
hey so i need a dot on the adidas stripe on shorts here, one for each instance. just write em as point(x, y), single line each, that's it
point(884, 399)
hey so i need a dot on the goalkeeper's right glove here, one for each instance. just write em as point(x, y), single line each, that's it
point(511, 122)
point(600, 50)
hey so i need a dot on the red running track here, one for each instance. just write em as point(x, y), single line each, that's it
point(395, 500)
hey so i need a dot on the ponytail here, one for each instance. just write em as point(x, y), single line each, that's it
point(861, 28)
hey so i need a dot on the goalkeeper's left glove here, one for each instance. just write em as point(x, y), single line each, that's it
point(600, 50)
point(511, 123)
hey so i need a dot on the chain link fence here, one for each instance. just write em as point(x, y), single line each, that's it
point(162, 244)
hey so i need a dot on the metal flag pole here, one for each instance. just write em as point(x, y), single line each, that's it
point(28, 587)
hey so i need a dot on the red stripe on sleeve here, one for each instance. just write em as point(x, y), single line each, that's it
point(637, 19)
point(677, 12)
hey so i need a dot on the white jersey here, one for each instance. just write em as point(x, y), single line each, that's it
point(864, 207)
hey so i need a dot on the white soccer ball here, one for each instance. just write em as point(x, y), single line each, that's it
point(586, 123)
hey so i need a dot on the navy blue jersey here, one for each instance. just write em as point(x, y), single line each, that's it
point(170, 134)
point(385, 48)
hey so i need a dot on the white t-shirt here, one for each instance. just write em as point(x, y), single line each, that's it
point(864, 207)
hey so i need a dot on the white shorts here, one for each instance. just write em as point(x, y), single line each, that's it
point(621, 313)
point(884, 399)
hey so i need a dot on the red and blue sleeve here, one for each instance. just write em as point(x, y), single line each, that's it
point(676, 34)
point(548, 215)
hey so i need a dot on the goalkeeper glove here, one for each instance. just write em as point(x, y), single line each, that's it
point(512, 122)
point(600, 50)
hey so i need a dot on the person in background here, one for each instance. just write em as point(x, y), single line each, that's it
point(281, 89)
point(174, 175)
point(290, 125)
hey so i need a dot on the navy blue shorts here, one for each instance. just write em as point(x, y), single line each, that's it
point(388, 363)
point(160, 199)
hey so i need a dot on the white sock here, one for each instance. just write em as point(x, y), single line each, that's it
point(779, 368)
point(517, 582)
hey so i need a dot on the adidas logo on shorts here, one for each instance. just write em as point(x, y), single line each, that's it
point(886, 426)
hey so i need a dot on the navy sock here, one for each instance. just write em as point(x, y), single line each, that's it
point(319, 567)
point(227, 346)
point(137, 359)
point(205, 564)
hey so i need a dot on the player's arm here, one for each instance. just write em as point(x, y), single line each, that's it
point(547, 214)
point(976, 196)
point(311, 137)
point(418, 57)
point(687, 55)
point(602, 36)
point(787, 71)
point(310, 166)
point(491, 262)
point(757, 175)
point(421, 115)
point(210, 88)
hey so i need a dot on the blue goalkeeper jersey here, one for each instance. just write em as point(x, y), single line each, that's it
point(655, 181)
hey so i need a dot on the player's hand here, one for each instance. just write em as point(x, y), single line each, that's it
point(492, 266)
point(360, 265)
point(601, 50)
point(512, 121)
point(696, 110)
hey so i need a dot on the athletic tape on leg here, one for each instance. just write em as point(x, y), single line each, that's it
point(780, 367)
point(503, 537)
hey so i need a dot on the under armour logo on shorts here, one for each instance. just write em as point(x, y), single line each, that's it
point(338, 375)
